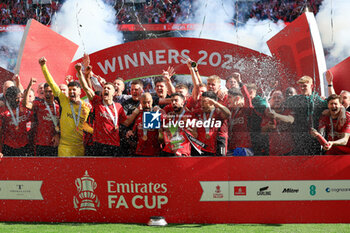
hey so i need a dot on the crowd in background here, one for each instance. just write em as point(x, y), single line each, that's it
point(18, 12)
point(159, 11)
point(286, 10)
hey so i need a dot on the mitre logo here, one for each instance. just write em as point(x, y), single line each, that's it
point(86, 198)
point(290, 190)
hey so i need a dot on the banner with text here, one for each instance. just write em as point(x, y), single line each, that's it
point(147, 58)
point(295, 189)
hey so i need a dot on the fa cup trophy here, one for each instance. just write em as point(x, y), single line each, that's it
point(86, 200)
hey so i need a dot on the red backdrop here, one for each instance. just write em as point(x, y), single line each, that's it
point(183, 190)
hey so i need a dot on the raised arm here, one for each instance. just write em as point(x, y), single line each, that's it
point(17, 80)
point(329, 78)
point(26, 102)
point(89, 92)
point(196, 79)
point(225, 111)
point(88, 75)
point(193, 67)
point(56, 90)
point(167, 74)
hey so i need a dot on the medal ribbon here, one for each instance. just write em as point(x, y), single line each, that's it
point(76, 119)
point(53, 117)
point(15, 120)
point(180, 116)
point(114, 118)
point(332, 128)
point(207, 129)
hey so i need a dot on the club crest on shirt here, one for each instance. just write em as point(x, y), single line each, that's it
point(20, 119)
point(48, 117)
point(105, 115)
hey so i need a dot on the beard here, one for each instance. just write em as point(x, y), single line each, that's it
point(177, 109)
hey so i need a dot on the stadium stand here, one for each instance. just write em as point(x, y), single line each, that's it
point(157, 11)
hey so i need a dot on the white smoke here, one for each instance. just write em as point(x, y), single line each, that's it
point(89, 23)
point(335, 39)
point(9, 45)
point(253, 34)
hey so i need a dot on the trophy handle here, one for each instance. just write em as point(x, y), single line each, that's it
point(78, 184)
point(95, 185)
point(75, 202)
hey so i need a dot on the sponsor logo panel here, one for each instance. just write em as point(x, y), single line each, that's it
point(302, 190)
point(264, 191)
point(240, 190)
point(20, 190)
point(214, 191)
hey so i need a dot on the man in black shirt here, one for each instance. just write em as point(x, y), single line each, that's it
point(128, 146)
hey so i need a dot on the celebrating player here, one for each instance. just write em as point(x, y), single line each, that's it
point(14, 119)
point(46, 114)
point(74, 114)
point(337, 135)
point(108, 117)
point(176, 138)
point(214, 112)
point(147, 139)
point(240, 104)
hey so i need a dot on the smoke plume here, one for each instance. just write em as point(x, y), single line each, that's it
point(253, 34)
point(9, 45)
point(335, 39)
point(90, 23)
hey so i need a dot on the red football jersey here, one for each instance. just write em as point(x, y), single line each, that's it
point(45, 128)
point(147, 141)
point(280, 140)
point(15, 137)
point(177, 142)
point(239, 135)
point(104, 130)
point(208, 135)
point(88, 137)
point(193, 105)
point(325, 122)
point(224, 100)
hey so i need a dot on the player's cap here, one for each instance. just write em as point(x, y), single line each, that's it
point(305, 79)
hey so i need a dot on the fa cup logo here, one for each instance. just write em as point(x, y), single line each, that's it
point(86, 199)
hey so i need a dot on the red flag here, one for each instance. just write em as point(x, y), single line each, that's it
point(38, 41)
point(299, 48)
point(341, 73)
